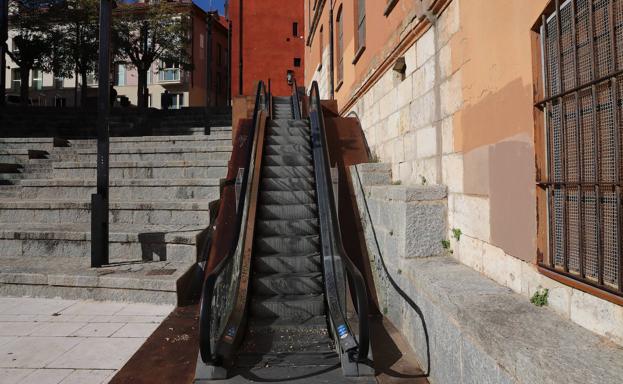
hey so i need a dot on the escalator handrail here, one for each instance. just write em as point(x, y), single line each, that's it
point(210, 280)
point(318, 128)
point(296, 103)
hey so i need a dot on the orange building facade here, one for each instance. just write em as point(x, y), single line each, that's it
point(267, 42)
point(448, 92)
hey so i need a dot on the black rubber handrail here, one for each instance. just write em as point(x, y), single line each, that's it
point(296, 102)
point(205, 318)
point(331, 241)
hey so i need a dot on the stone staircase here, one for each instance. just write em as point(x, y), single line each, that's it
point(161, 188)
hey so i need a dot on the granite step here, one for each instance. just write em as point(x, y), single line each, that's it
point(123, 189)
point(191, 169)
point(127, 242)
point(121, 212)
point(222, 152)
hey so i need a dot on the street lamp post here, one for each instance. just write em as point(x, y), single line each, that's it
point(99, 201)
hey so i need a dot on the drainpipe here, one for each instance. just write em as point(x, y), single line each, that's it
point(331, 53)
point(240, 52)
point(229, 62)
point(208, 47)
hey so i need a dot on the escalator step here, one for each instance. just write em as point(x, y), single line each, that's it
point(290, 309)
point(284, 339)
point(287, 227)
point(287, 197)
point(287, 284)
point(287, 212)
point(288, 184)
point(286, 263)
point(291, 160)
point(288, 171)
point(288, 131)
point(282, 149)
point(289, 123)
point(295, 245)
point(271, 140)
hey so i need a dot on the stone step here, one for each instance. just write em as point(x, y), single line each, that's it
point(74, 279)
point(37, 143)
point(159, 141)
point(21, 155)
point(158, 154)
point(121, 212)
point(191, 169)
point(123, 189)
point(127, 242)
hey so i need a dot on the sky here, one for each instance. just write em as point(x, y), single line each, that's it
point(209, 5)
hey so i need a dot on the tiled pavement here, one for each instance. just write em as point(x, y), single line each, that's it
point(52, 341)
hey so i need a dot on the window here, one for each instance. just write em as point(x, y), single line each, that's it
point(169, 72)
point(360, 32)
point(16, 81)
point(149, 75)
point(295, 29)
point(177, 100)
point(91, 79)
point(340, 47)
point(579, 145)
point(37, 79)
point(297, 61)
point(59, 82)
point(120, 75)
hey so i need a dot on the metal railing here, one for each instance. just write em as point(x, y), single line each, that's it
point(336, 263)
point(220, 289)
point(296, 102)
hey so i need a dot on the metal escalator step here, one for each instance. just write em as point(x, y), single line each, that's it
point(295, 308)
point(288, 184)
point(282, 149)
point(275, 366)
point(295, 245)
point(304, 140)
point(288, 131)
point(283, 339)
point(287, 284)
point(288, 123)
point(291, 160)
point(287, 212)
point(288, 171)
point(287, 227)
point(286, 263)
point(287, 198)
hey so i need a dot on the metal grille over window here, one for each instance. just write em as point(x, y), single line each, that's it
point(582, 57)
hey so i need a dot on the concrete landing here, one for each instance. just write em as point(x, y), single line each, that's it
point(72, 278)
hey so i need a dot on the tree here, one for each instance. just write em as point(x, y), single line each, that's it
point(144, 33)
point(76, 41)
point(32, 41)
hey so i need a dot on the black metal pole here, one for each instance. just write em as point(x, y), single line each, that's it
point(4, 35)
point(209, 80)
point(229, 31)
point(99, 201)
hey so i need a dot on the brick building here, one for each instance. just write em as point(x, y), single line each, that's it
point(267, 42)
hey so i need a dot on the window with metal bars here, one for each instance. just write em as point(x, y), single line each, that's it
point(579, 142)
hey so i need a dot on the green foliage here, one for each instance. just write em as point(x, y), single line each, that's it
point(445, 244)
point(396, 182)
point(456, 233)
point(423, 180)
point(145, 33)
point(374, 158)
point(540, 297)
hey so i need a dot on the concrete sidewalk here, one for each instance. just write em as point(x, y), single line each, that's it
point(68, 341)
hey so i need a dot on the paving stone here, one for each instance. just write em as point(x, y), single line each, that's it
point(142, 330)
point(57, 329)
point(88, 376)
point(14, 375)
point(46, 376)
point(97, 330)
point(34, 352)
point(98, 353)
point(18, 329)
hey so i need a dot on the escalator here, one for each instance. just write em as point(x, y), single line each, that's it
point(279, 305)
